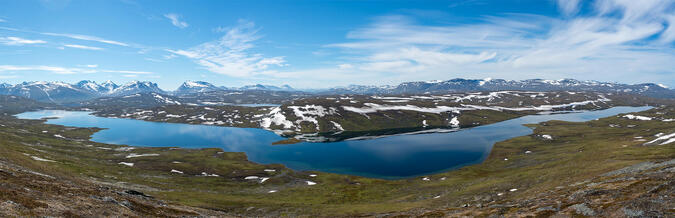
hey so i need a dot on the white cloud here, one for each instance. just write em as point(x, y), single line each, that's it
point(230, 55)
point(2, 21)
point(82, 47)
point(568, 7)
point(68, 70)
point(175, 20)
point(11, 40)
point(52, 69)
point(87, 38)
point(618, 40)
point(345, 66)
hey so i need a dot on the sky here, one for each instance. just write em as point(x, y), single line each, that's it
point(319, 44)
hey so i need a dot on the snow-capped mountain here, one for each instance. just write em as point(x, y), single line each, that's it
point(5, 85)
point(189, 87)
point(266, 87)
point(58, 92)
point(471, 85)
point(91, 86)
point(109, 86)
point(134, 87)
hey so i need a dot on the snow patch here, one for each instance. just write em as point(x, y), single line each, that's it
point(132, 155)
point(126, 164)
point(636, 117)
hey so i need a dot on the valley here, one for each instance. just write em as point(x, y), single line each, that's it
point(616, 165)
point(628, 155)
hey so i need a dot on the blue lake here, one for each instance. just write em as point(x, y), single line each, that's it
point(389, 157)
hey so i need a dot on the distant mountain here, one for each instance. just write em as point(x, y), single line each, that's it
point(266, 87)
point(59, 92)
point(136, 87)
point(109, 86)
point(5, 85)
point(90, 86)
point(190, 87)
point(471, 85)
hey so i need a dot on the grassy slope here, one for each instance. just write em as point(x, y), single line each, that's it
point(578, 152)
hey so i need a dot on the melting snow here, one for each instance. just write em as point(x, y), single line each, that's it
point(41, 159)
point(277, 118)
point(454, 122)
point(337, 126)
point(126, 164)
point(141, 155)
point(212, 175)
point(372, 108)
point(636, 117)
point(664, 139)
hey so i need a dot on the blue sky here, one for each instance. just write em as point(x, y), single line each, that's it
point(315, 44)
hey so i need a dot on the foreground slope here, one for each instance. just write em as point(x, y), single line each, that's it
point(563, 168)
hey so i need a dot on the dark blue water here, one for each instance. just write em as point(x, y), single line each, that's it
point(390, 157)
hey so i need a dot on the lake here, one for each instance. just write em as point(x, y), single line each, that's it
point(390, 157)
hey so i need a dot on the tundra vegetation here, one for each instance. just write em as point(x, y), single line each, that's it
point(614, 166)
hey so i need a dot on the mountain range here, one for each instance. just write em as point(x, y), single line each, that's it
point(60, 92)
point(476, 85)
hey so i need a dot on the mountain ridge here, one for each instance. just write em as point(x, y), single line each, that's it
point(61, 92)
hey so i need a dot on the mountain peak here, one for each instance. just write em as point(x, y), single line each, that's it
point(190, 86)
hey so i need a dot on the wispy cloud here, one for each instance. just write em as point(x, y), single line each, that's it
point(568, 7)
point(231, 55)
point(2, 20)
point(127, 72)
point(620, 40)
point(87, 38)
point(175, 20)
point(83, 47)
point(68, 70)
point(52, 69)
point(11, 40)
